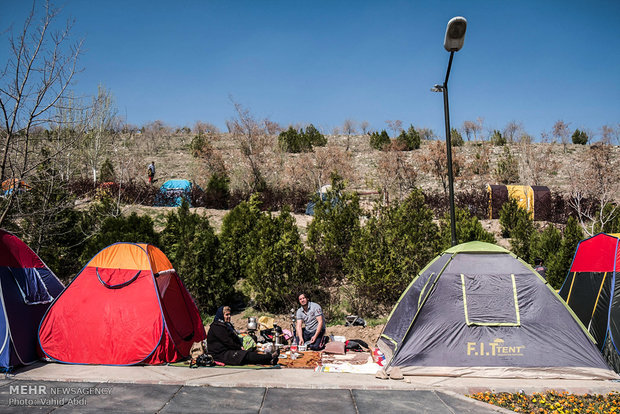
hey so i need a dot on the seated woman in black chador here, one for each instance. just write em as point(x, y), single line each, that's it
point(224, 345)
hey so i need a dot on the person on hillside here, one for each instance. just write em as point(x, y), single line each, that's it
point(310, 314)
point(542, 270)
point(150, 172)
point(225, 346)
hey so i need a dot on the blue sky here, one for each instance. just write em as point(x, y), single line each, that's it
point(321, 62)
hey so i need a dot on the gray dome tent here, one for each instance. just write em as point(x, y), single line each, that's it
point(478, 310)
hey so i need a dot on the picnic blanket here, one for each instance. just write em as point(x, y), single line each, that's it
point(306, 359)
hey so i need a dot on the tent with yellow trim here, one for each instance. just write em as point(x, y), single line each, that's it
point(592, 290)
point(477, 310)
point(127, 306)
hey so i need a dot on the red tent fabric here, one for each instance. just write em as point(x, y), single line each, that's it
point(597, 254)
point(127, 306)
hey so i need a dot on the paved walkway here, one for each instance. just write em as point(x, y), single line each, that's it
point(230, 390)
point(58, 397)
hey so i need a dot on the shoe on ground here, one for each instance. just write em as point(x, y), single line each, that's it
point(381, 374)
point(395, 374)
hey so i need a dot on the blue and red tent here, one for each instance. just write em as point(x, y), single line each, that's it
point(27, 287)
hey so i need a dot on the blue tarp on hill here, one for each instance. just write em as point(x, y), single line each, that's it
point(172, 193)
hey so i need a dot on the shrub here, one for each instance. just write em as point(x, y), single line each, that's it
point(517, 224)
point(580, 137)
point(379, 141)
point(198, 144)
point(292, 141)
point(612, 211)
point(314, 137)
point(190, 243)
point(237, 239)
point(131, 229)
point(507, 170)
point(295, 141)
point(497, 139)
point(468, 228)
point(331, 232)
point(456, 139)
point(392, 248)
point(409, 140)
point(218, 191)
point(281, 266)
point(106, 172)
point(558, 268)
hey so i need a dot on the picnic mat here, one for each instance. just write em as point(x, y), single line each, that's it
point(306, 359)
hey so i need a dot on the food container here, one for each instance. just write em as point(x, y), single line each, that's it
point(293, 352)
point(302, 348)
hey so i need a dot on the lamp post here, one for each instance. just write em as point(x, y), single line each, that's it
point(453, 42)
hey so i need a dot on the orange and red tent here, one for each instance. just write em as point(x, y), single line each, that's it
point(127, 306)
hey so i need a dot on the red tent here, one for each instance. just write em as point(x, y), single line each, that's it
point(127, 306)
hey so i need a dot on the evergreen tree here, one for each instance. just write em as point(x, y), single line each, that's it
point(517, 224)
point(468, 228)
point(580, 137)
point(392, 248)
point(409, 140)
point(507, 170)
point(331, 232)
point(497, 139)
point(379, 141)
point(237, 238)
point(456, 139)
point(314, 137)
point(132, 229)
point(281, 267)
point(573, 234)
point(190, 243)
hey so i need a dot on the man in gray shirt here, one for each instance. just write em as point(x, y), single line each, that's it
point(310, 314)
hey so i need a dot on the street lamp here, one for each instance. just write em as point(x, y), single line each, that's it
point(453, 42)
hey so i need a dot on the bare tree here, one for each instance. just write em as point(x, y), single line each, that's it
point(252, 140)
point(41, 65)
point(610, 134)
point(435, 162)
point(595, 189)
point(203, 128)
point(396, 173)
point(395, 126)
point(311, 170)
point(560, 132)
point(364, 126)
point(536, 161)
point(349, 128)
point(101, 131)
point(512, 130)
point(426, 134)
point(272, 128)
point(468, 128)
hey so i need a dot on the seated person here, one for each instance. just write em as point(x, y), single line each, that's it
point(311, 315)
point(225, 346)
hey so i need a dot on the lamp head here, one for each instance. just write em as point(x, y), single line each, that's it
point(455, 34)
point(437, 88)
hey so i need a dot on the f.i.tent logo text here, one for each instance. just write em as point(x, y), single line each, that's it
point(495, 348)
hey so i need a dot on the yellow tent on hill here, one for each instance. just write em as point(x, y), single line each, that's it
point(535, 199)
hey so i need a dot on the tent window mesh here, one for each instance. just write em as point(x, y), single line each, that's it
point(490, 300)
